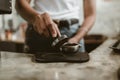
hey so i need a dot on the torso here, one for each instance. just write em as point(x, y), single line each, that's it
point(58, 9)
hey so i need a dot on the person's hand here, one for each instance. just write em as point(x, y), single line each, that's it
point(44, 25)
point(73, 40)
point(79, 35)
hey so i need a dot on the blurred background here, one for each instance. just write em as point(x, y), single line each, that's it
point(12, 26)
point(103, 64)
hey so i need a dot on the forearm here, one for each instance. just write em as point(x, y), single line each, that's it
point(89, 19)
point(85, 27)
point(25, 10)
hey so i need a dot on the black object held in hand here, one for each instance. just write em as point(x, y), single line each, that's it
point(61, 44)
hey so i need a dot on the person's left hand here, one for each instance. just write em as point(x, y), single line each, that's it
point(73, 40)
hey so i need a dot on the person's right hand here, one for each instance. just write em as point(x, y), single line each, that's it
point(44, 25)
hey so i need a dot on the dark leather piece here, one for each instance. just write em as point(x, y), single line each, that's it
point(46, 57)
point(66, 23)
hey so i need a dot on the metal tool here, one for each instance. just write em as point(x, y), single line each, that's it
point(61, 43)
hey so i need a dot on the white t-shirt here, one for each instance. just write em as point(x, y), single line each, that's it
point(58, 9)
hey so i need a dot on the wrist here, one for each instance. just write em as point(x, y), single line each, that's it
point(81, 33)
point(83, 29)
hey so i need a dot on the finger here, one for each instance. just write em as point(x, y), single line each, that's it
point(47, 22)
point(46, 33)
point(37, 29)
point(50, 24)
point(52, 30)
point(41, 25)
point(47, 18)
point(57, 30)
